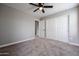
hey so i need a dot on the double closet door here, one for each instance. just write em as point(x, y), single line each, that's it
point(55, 28)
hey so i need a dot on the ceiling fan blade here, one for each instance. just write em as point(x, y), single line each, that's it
point(36, 10)
point(43, 11)
point(33, 4)
point(48, 6)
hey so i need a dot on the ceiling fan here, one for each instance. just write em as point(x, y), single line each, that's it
point(40, 6)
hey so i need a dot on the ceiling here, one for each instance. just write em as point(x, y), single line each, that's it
point(27, 8)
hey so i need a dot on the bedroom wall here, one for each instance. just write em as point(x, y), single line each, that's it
point(15, 25)
point(62, 26)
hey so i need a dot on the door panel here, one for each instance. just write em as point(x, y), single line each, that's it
point(62, 28)
point(57, 28)
point(41, 28)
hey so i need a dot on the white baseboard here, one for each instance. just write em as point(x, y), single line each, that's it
point(76, 44)
point(4, 45)
point(31, 38)
point(71, 43)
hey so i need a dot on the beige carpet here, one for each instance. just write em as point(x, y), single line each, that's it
point(40, 47)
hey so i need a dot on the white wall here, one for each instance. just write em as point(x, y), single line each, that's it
point(62, 26)
point(15, 25)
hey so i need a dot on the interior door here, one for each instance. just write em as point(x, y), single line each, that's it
point(57, 28)
point(62, 28)
point(42, 29)
point(36, 28)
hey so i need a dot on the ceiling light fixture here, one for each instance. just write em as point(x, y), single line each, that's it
point(40, 8)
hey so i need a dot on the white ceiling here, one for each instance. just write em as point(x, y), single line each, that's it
point(27, 8)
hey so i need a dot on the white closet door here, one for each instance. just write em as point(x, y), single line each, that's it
point(57, 28)
point(51, 28)
point(62, 28)
point(41, 29)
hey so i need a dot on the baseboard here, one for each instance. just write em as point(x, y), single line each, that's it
point(5, 45)
point(31, 38)
point(75, 44)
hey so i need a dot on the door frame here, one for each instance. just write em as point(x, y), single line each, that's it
point(36, 27)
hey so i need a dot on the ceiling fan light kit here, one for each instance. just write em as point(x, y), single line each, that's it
point(40, 6)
